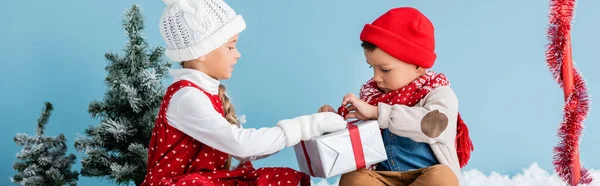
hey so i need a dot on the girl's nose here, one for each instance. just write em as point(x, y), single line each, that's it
point(238, 54)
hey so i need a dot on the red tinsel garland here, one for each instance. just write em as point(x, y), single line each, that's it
point(566, 157)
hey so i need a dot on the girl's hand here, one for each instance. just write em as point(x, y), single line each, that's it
point(358, 108)
point(326, 108)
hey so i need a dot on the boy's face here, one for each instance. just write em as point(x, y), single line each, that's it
point(390, 73)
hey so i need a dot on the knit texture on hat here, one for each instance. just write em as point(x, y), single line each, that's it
point(194, 28)
point(404, 33)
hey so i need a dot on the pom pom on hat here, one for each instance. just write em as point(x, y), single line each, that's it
point(194, 28)
point(404, 33)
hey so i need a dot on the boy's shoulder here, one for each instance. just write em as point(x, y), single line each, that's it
point(443, 88)
point(441, 92)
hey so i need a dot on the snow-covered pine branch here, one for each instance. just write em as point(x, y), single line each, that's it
point(43, 159)
point(116, 147)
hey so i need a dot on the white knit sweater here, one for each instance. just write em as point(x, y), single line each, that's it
point(192, 112)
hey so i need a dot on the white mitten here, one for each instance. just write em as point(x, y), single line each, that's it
point(310, 126)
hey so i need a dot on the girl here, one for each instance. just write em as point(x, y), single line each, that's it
point(196, 132)
point(426, 140)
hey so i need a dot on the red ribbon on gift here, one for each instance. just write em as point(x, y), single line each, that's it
point(357, 148)
point(307, 159)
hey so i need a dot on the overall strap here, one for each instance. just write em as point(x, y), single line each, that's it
point(172, 89)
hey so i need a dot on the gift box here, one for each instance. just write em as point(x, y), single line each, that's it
point(333, 154)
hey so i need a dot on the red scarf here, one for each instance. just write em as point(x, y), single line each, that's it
point(410, 95)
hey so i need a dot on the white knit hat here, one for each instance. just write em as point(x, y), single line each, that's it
point(193, 28)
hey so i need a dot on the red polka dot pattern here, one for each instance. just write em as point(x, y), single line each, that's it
point(408, 95)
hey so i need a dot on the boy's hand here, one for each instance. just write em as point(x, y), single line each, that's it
point(326, 108)
point(358, 108)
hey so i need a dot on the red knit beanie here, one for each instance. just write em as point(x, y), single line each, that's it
point(404, 33)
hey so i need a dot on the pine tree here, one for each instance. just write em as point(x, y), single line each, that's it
point(42, 161)
point(116, 148)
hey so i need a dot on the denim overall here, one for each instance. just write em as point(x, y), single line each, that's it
point(404, 154)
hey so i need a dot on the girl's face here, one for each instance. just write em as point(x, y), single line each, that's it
point(219, 63)
point(390, 73)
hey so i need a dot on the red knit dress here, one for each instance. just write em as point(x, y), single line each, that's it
point(175, 158)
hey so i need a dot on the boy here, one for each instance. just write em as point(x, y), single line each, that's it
point(426, 141)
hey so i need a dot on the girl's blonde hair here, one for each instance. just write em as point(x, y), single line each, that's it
point(229, 112)
point(228, 108)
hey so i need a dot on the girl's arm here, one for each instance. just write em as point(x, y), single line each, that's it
point(191, 112)
point(434, 122)
point(252, 158)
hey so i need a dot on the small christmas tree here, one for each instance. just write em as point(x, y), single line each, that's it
point(42, 160)
point(117, 148)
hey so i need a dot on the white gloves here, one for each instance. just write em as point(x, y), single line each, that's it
point(310, 126)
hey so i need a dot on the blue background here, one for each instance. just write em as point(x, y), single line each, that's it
point(299, 55)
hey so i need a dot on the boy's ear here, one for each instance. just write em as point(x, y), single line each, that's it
point(420, 69)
